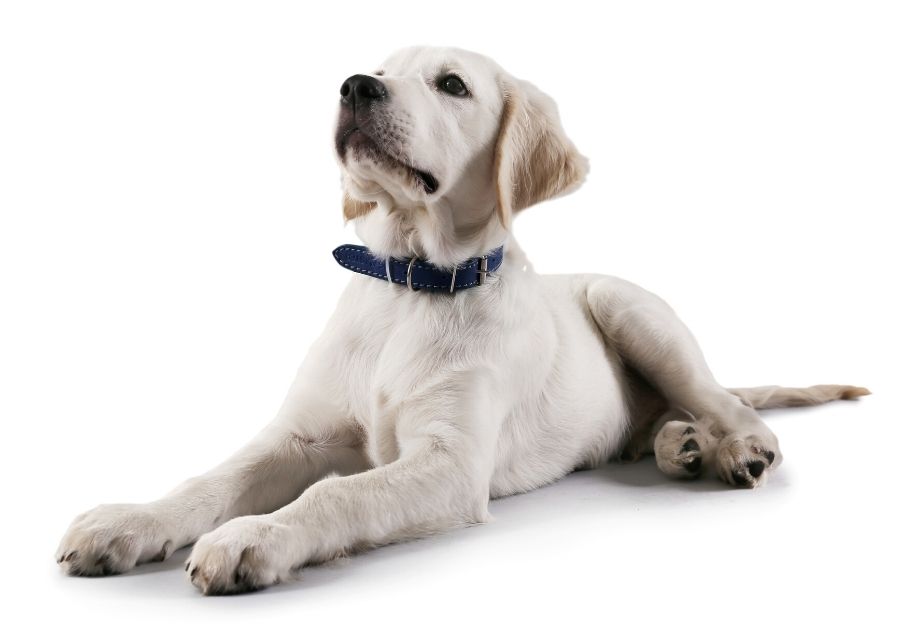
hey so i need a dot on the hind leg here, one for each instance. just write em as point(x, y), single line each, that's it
point(651, 339)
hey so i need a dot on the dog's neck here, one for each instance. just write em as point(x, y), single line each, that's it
point(439, 233)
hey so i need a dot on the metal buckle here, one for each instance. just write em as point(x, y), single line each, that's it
point(409, 274)
point(482, 270)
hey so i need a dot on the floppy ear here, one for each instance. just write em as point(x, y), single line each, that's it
point(534, 160)
point(354, 208)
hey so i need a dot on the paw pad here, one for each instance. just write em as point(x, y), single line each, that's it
point(691, 458)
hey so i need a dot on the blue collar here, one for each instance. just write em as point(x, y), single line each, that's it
point(419, 274)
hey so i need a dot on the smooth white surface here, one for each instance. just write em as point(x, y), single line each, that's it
point(169, 201)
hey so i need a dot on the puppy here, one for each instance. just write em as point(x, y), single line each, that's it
point(450, 372)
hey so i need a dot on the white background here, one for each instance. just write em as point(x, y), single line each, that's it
point(170, 200)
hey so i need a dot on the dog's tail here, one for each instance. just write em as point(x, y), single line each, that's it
point(773, 396)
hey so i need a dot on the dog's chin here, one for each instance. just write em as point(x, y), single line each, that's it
point(354, 145)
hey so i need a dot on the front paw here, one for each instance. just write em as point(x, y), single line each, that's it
point(112, 539)
point(745, 461)
point(245, 554)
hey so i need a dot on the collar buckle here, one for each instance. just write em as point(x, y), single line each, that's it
point(482, 270)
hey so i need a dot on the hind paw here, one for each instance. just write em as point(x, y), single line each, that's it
point(744, 461)
point(680, 448)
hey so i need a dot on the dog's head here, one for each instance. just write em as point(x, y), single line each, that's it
point(439, 147)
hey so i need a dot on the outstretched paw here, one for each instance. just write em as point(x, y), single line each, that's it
point(112, 539)
point(245, 554)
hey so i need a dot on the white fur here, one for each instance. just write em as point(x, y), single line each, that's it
point(413, 409)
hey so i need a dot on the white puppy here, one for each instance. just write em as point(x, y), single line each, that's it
point(456, 374)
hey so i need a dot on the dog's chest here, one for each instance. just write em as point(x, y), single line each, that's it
point(407, 355)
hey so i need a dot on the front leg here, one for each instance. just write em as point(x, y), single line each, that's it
point(440, 480)
point(651, 339)
point(302, 445)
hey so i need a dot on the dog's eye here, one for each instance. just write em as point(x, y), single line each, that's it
point(452, 84)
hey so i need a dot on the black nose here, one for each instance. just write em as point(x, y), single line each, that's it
point(359, 88)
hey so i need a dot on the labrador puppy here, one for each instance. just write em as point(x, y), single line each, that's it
point(450, 372)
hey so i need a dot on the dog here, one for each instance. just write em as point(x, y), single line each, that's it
point(451, 373)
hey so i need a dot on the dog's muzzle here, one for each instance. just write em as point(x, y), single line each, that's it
point(361, 96)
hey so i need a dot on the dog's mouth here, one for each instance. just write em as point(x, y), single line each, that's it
point(361, 141)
